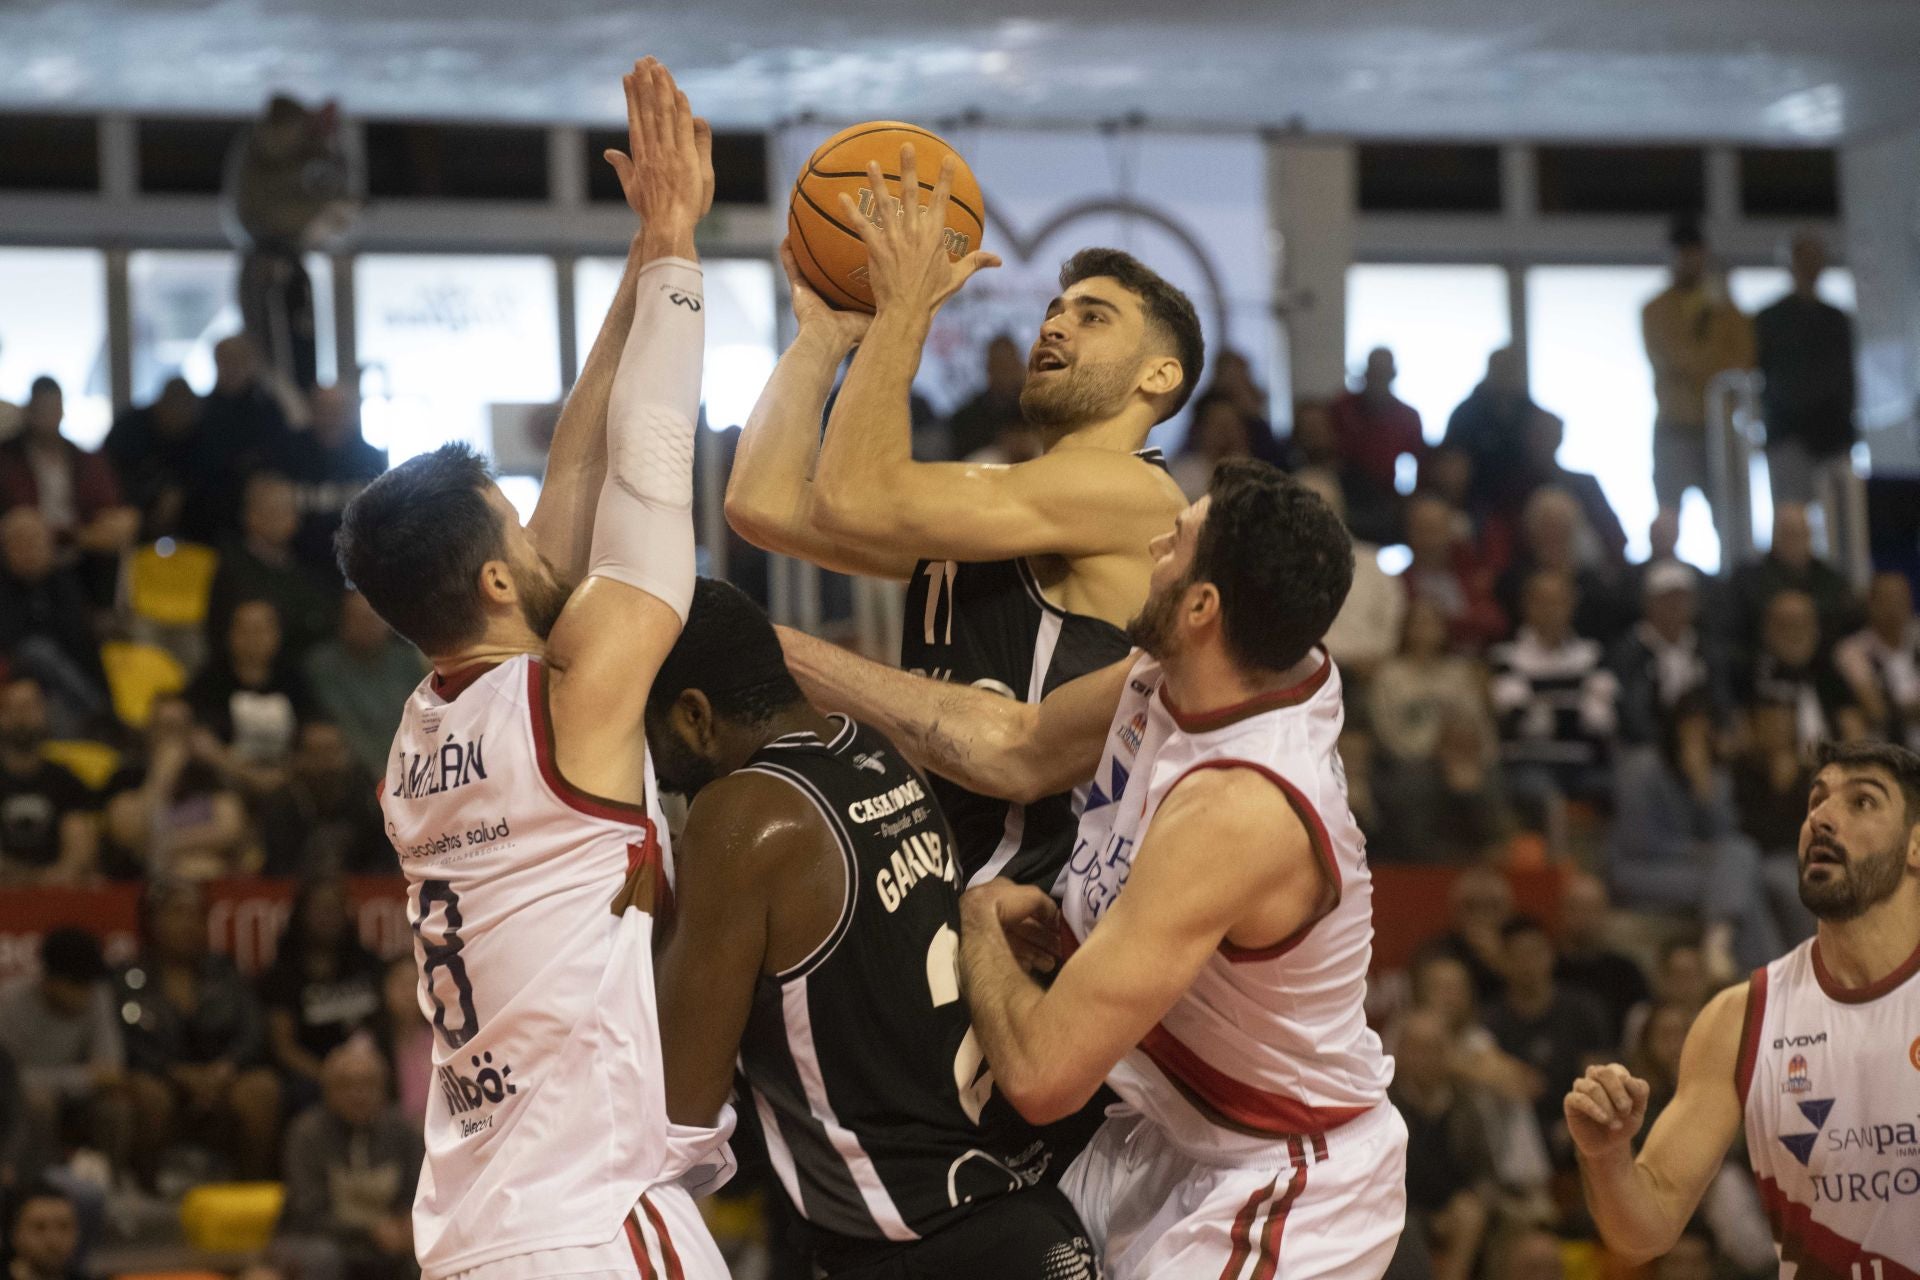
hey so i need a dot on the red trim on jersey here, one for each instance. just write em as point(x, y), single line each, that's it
point(1277, 1223)
point(459, 680)
point(639, 1250)
point(1221, 717)
point(667, 1251)
point(647, 854)
point(1256, 1109)
point(1802, 1240)
point(1316, 836)
point(570, 795)
point(1242, 1233)
point(1836, 990)
point(1755, 1017)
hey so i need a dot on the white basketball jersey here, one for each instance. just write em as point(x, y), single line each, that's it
point(1830, 1079)
point(1276, 1041)
point(547, 1119)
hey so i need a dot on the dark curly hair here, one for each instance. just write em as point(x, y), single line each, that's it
point(1170, 313)
point(1902, 765)
point(728, 651)
point(1280, 558)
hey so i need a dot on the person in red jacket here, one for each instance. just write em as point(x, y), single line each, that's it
point(1373, 427)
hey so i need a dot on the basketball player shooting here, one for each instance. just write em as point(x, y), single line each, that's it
point(1217, 909)
point(816, 916)
point(517, 795)
point(1816, 1057)
point(1019, 577)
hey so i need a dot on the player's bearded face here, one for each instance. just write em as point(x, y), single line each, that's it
point(677, 767)
point(1155, 628)
point(1838, 884)
point(1083, 392)
point(542, 594)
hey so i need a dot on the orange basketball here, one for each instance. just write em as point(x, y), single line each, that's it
point(830, 253)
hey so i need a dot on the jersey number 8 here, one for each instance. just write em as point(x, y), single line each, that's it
point(441, 963)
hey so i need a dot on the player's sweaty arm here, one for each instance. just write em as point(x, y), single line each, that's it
point(744, 834)
point(1225, 857)
point(770, 499)
point(562, 522)
point(1641, 1205)
point(1018, 751)
point(618, 626)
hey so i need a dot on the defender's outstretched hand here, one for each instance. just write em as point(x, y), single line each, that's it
point(667, 169)
point(907, 260)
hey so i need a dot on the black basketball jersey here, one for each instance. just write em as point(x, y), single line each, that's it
point(988, 624)
point(879, 1114)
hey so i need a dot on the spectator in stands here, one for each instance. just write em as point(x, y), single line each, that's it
point(1555, 701)
point(1411, 694)
point(196, 1043)
point(1588, 962)
point(1792, 669)
point(1445, 574)
point(1233, 378)
point(16, 1139)
point(1804, 350)
point(49, 820)
point(74, 491)
point(169, 812)
point(1216, 431)
point(1373, 510)
point(1555, 1031)
point(351, 1167)
point(1367, 629)
point(1680, 978)
point(325, 819)
point(1790, 565)
point(1655, 1056)
point(46, 622)
point(1449, 807)
point(1677, 845)
point(1555, 537)
point(1490, 427)
point(996, 407)
point(62, 1030)
point(1450, 1173)
point(261, 565)
point(1663, 658)
point(1771, 780)
point(244, 428)
point(407, 1038)
point(43, 1233)
point(362, 678)
point(323, 987)
point(159, 456)
point(1604, 542)
point(251, 699)
point(1481, 904)
point(329, 463)
point(1534, 1254)
point(1373, 428)
point(1881, 663)
point(1692, 334)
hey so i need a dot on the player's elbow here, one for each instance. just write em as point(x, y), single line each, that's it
point(1039, 1099)
point(858, 518)
point(1637, 1249)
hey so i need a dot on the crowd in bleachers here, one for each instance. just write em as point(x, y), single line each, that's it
point(189, 691)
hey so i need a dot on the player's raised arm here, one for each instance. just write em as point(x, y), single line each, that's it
point(1226, 855)
point(1018, 751)
point(1642, 1204)
point(770, 493)
point(618, 626)
point(562, 523)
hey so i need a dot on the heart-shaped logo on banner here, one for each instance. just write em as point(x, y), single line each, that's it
point(1013, 299)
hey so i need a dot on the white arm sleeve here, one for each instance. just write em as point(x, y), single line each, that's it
point(643, 526)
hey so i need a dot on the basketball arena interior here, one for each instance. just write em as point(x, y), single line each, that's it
point(1597, 326)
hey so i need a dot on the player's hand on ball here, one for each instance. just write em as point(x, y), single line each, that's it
point(667, 170)
point(1026, 915)
point(1605, 1109)
point(908, 264)
point(812, 311)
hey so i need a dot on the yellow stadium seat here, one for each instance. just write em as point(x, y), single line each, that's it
point(170, 582)
point(91, 762)
point(136, 675)
point(231, 1217)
